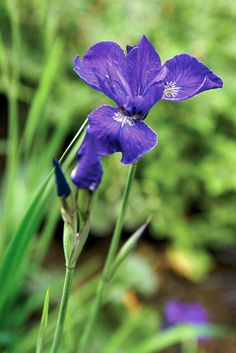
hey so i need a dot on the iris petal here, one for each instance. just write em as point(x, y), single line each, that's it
point(117, 132)
point(101, 68)
point(187, 77)
point(134, 82)
point(143, 64)
point(87, 173)
point(145, 76)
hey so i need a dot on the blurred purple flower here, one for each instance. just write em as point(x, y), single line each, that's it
point(136, 81)
point(177, 312)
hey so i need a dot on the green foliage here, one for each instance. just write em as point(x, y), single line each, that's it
point(43, 323)
point(187, 183)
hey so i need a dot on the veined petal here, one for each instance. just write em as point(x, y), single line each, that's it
point(187, 77)
point(143, 64)
point(116, 132)
point(87, 173)
point(101, 68)
point(145, 76)
point(142, 104)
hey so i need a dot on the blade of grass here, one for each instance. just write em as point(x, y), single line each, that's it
point(41, 245)
point(78, 304)
point(49, 25)
point(12, 262)
point(47, 80)
point(12, 141)
point(4, 64)
point(126, 329)
point(76, 137)
point(43, 323)
point(173, 336)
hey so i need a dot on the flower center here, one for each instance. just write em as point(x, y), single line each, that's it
point(171, 90)
point(125, 119)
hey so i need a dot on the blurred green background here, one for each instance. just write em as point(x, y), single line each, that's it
point(187, 183)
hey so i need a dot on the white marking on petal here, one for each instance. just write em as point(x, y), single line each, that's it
point(124, 119)
point(92, 186)
point(171, 90)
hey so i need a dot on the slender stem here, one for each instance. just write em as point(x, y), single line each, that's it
point(119, 224)
point(77, 135)
point(62, 310)
point(108, 264)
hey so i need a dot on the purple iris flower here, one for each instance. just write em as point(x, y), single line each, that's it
point(135, 82)
point(88, 171)
point(177, 312)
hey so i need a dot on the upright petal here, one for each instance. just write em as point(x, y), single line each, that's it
point(143, 64)
point(128, 48)
point(101, 68)
point(187, 77)
point(88, 171)
point(142, 104)
point(145, 77)
point(116, 132)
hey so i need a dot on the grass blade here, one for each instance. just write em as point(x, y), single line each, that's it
point(13, 260)
point(40, 97)
point(43, 323)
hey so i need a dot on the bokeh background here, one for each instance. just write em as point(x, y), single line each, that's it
point(187, 183)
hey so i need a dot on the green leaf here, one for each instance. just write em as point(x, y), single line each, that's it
point(15, 255)
point(41, 94)
point(175, 335)
point(128, 246)
point(43, 323)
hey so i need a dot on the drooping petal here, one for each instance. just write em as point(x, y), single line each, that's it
point(101, 68)
point(116, 132)
point(187, 77)
point(87, 173)
point(63, 189)
point(145, 76)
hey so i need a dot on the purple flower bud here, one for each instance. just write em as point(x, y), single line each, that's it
point(63, 189)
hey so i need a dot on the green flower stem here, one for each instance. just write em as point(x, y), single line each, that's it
point(63, 309)
point(108, 264)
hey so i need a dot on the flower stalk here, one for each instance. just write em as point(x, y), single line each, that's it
point(73, 241)
point(108, 263)
point(63, 309)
